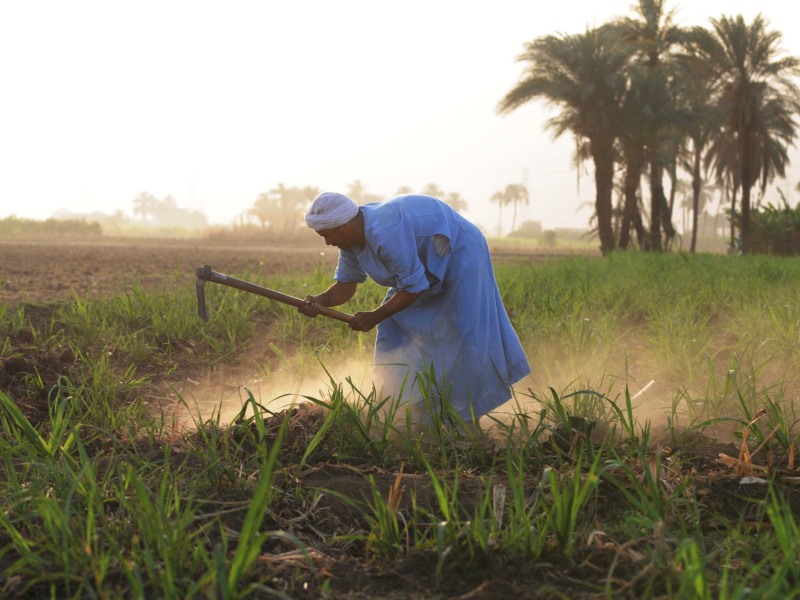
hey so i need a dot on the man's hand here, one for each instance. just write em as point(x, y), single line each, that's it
point(311, 306)
point(337, 294)
point(340, 293)
point(364, 321)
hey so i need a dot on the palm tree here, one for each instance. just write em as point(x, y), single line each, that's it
point(638, 124)
point(683, 190)
point(757, 99)
point(652, 35)
point(145, 205)
point(431, 189)
point(456, 202)
point(499, 197)
point(516, 193)
point(262, 209)
point(721, 158)
point(583, 76)
point(289, 203)
point(701, 120)
point(356, 191)
point(308, 193)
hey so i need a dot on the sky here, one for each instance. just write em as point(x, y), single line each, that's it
point(216, 102)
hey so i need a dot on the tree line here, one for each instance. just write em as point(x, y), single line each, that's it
point(646, 99)
point(165, 212)
point(513, 194)
point(73, 228)
point(281, 208)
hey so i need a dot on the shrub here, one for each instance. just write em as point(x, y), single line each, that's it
point(776, 230)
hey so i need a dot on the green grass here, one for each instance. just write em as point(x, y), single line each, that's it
point(100, 498)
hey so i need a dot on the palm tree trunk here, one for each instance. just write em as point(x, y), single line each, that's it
point(602, 155)
point(514, 217)
point(638, 225)
point(746, 229)
point(632, 179)
point(666, 218)
point(685, 215)
point(695, 213)
point(733, 218)
point(656, 191)
point(695, 198)
point(671, 204)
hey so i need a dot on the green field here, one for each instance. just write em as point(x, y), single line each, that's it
point(650, 454)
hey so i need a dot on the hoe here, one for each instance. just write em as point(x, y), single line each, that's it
point(206, 274)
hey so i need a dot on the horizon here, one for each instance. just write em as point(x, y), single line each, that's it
point(215, 104)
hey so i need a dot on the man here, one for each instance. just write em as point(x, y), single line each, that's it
point(443, 313)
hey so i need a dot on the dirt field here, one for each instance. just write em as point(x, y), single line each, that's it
point(37, 272)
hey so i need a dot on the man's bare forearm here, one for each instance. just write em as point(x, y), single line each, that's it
point(364, 321)
point(337, 294)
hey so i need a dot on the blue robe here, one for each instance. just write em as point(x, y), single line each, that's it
point(459, 326)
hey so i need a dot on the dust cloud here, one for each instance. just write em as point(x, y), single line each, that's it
point(664, 393)
point(607, 374)
point(222, 394)
point(661, 393)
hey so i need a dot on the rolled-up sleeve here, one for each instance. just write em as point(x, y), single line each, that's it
point(398, 251)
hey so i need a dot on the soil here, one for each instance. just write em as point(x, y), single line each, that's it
point(44, 272)
point(727, 498)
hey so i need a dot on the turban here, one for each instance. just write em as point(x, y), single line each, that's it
point(329, 210)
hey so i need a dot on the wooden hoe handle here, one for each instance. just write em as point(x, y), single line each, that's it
point(205, 273)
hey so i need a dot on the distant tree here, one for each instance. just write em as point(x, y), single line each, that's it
point(456, 202)
point(431, 189)
point(694, 205)
point(516, 193)
point(528, 229)
point(356, 191)
point(116, 221)
point(308, 193)
point(144, 205)
point(280, 209)
point(290, 204)
point(263, 209)
point(166, 211)
point(403, 190)
point(695, 87)
point(193, 219)
point(499, 198)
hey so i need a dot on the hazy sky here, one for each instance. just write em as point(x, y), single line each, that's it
point(215, 102)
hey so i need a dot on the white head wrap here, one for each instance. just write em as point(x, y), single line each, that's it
point(329, 210)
